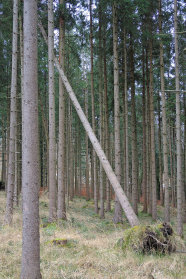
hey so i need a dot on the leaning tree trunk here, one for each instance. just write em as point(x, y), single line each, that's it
point(118, 210)
point(30, 266)
point(178, 130)
point(61, 212)
point(164, 123)
point(129, 212)
point(52, 139)
point(12, 139)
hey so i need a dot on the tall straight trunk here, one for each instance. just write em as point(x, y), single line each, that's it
point(152, 132)
point(30, 265)
point(3, 173)
point(134, 135)
point(93, 113)
point(160, 154)
point(61, 211)
point(164, 126)
point(52, 138)
point(129, 212)
point(118, 209)
point(184, 220)
point(87, 152)
point(106, 114)
point(101, 110)
point(125, 103)
point(70, 158)
point(149, 200)
point(178, 130)
point(11, 161)
point(144, 181)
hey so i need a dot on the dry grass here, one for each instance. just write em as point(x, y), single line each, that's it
point(92, 252)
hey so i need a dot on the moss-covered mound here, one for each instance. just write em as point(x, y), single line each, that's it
point(158, 238)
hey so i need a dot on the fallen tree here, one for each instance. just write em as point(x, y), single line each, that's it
point(129, 212)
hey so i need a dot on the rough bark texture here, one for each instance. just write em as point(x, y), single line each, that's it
point(11, 161)
point(30, 266)
point(178, 130)
point(164, 124)
point(118, 211)
point(129, 212)
point(52, 139)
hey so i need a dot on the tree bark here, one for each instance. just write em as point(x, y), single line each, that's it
point(13, 122)
point(164, 124)
point(52, 138)
point(178, 130)
point(61, 212)
point(118, 210)
point(30, 266)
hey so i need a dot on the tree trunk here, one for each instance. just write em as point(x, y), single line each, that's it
point(134, 135)
point(144, 181)
point(11, 161)
point(153, 161)
point(61, 212)
point(30, 266)
point(164, 124)
point(87, 153)
point(101, 109)
point(93, 114)
point(118, 210)
point(52, 139)
point(129, 212)
point(178, 130)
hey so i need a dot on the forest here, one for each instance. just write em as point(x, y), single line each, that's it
point(92, 139)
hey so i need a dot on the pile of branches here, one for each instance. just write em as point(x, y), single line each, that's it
point(158, 238)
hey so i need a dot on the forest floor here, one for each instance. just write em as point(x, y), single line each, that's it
point(91, 251)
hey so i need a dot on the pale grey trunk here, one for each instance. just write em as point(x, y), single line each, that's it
point(164, 124)
point(11, 161)
point(61, 212)
point(52, 139)
point(129, 212)
point(178, 130)
point(30, 266)
point(118, 210)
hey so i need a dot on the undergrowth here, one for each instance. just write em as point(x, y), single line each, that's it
point(84, 247)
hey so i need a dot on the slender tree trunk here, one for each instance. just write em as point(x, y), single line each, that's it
point(87, 153)
point(11, 161)
point(30, 266)
point(178, 130)
point(118, 210)
point(61, 212)
point(93, 113)
point(107, 141)
point(134, 135)
point(125, 101)
point(144, 189)
point(153, 161)
point(101, 109)
point(52, 139)
point(160, 154)
point(164, 124)
point(129, 212)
